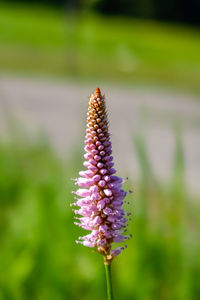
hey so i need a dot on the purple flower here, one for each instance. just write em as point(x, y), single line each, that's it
point(100, 196)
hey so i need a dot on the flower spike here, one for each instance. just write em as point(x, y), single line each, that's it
point(100, 194)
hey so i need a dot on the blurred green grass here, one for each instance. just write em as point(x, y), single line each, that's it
point(49, 41)
point(39, 258)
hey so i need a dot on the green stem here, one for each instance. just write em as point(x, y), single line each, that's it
point(109, 281)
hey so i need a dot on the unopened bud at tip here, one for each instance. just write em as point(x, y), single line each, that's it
point(97, 93)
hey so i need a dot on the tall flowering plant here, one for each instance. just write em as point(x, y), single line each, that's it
point(100, 196)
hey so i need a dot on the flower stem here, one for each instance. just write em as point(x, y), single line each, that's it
point(109, 281)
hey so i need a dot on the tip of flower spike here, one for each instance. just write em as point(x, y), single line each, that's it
point(97, 93)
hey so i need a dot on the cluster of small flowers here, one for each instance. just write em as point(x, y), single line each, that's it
point(100, 197)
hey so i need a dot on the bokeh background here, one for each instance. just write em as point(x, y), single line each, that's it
point(145, 56)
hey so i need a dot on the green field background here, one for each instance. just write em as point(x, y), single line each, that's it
point(43, 40)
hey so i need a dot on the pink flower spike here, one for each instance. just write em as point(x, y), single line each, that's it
point(101, 195)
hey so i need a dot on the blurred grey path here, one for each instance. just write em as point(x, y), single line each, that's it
point(59, 108)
